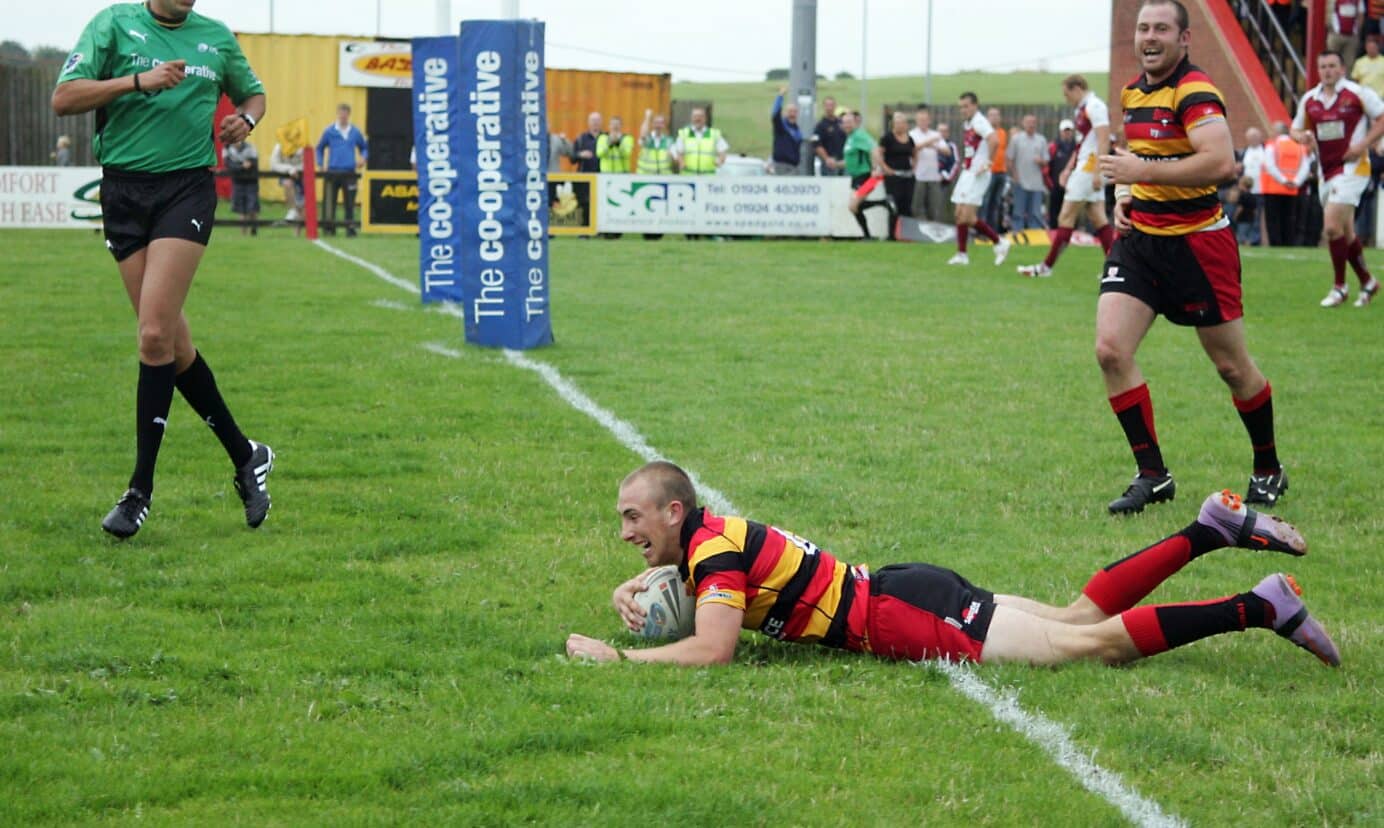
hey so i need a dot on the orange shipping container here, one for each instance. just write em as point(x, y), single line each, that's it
point(575, 93)
point(300, 76)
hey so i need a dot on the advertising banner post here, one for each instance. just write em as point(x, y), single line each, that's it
point(437, 126)
point(504, 185)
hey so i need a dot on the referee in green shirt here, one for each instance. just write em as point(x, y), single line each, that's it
point(153, 72)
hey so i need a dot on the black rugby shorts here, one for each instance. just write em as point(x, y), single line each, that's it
point(137, 208)
point(1191, 280)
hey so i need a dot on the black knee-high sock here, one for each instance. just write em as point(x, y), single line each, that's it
point(198, 387)
point(153, 397)
point(860, 220)
point(1161, 627)
point(1134, 410)
point(1257, 415)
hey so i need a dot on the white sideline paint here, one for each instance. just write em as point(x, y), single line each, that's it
point(628, 436)
point(1041, 731)
point(442, 350)
point(1053, 739)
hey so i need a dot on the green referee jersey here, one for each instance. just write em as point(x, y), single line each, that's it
point(167, 130)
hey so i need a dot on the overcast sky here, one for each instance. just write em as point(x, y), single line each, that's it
point(709, 40)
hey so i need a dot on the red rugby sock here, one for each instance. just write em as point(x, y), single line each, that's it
point(1061, 237)
point(1340, 251)
point(986, 230)
point(962, 231)
point(1107, 237)
point(1356, 257)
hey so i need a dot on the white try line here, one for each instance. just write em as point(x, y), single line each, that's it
point(1052, 737)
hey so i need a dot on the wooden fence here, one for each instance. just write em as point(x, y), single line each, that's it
point(28, 128)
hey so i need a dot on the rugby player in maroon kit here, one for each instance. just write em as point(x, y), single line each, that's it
point(1176, 255)
point(748, 575)
point(1332, 120)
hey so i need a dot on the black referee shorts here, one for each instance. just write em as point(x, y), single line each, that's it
point(138, 207)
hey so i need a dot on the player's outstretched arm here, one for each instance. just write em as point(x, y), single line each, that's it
point(718, 631)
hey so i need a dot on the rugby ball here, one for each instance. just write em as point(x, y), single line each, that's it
point(669, 612)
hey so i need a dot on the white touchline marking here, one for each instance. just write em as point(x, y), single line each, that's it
point(442, 350)
point(627, 434)
point(1038, 729)
point(1057, 743)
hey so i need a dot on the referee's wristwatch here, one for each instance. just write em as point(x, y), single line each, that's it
point(248, 118)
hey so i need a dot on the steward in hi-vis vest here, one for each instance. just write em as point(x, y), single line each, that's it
point(655, 146)
point(700, 149)
point(615, 149)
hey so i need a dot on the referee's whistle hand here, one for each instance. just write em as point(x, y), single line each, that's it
point(164, 76)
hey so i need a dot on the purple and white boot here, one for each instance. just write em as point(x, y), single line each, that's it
point(1292, 620)
point(1242, 526)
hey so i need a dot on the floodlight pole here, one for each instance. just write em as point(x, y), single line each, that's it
point(864, 39)
point(929, 54)
point(442, 17)
point(802, 76)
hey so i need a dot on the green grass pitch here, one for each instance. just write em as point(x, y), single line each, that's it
point(386, 648)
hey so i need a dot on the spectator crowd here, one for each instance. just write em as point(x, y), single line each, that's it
point(912, 169)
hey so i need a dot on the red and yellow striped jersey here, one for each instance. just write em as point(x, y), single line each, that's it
point(788, 587)
point(1157, 119)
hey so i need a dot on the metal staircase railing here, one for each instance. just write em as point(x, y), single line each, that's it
point(1276, 50)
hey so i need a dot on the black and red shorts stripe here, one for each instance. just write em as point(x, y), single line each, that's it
point(1192, 279)
point(919, 611)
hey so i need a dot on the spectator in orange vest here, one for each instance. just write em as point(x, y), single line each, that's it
point(992, 208)
point(1285, 169)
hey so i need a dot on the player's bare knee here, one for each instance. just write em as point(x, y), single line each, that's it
point(156, 342)
point(1232, 372)
point(1112, 358)
point(1083, 611)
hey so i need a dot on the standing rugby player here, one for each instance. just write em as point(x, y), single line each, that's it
point(1083, 189)
point(1177, 256)
point(977, 148)
point(1340, 120)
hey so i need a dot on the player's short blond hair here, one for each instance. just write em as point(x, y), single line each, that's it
point(668, 482)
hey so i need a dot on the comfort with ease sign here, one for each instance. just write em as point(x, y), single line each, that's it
point(56, 197)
